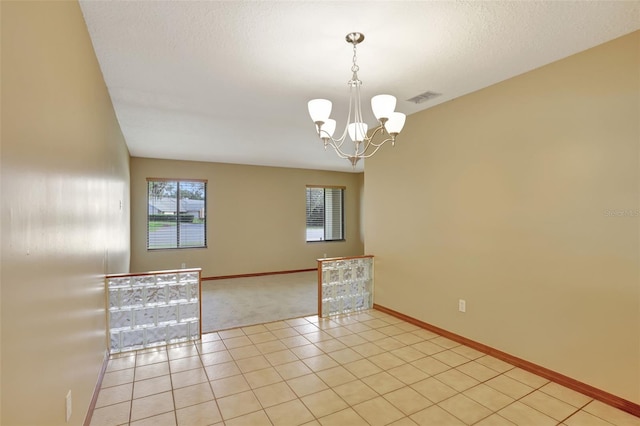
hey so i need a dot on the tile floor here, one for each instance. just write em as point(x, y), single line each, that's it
point(363, 369)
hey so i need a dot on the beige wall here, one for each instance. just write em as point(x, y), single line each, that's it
point(65, 173)
point(504, 198)
point(256, 218)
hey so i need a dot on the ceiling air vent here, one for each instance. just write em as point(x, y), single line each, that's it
point(423, 97)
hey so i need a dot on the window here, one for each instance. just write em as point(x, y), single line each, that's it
point(177, 214)
point(325, 213)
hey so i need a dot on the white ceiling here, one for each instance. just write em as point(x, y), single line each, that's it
point(228, 81)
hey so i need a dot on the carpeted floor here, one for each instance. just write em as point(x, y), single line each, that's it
point(238, 302)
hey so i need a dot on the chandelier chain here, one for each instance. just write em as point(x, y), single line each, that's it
point(355, 81)
point(355, 67)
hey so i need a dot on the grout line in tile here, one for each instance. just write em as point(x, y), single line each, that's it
point(576, 410)
point(173, 395)
point(582, 408)
point(215, 399)
point(135, 366)
point(523, 396)
point(339, 326)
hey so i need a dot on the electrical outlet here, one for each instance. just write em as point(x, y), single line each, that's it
point(462, 305)
point(184, 265)
point(69, 408)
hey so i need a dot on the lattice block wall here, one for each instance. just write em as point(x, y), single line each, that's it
point(153, 309)
point(347, 285)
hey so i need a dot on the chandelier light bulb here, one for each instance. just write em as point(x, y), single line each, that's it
point(358, 131)
point(395, 123)
point(383, 106)
point(319, 110)
point(328, 128)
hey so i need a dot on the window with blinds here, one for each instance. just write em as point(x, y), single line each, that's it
point(325, 213)
point(176, 214)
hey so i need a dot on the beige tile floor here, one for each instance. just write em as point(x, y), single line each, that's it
point(363, 369)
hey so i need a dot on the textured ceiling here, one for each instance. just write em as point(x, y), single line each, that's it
point(228, 81)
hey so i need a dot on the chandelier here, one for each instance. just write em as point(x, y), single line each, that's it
point(365, 144)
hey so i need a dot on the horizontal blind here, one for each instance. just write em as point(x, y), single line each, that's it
point(315, 214)
point(325, 213)
point(333, 227)
point(176, 214)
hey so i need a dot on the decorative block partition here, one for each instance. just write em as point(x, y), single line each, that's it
point(345, 284)
point(153, 309)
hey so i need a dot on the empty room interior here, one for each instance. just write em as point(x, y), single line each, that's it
point(503, 218)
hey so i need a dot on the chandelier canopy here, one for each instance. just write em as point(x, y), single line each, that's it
point(390, 123)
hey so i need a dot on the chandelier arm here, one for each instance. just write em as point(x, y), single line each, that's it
point(339, 151)
point(360, 148)
point(329, 142)
point(346, 126)
point(365, 146)
point(377, 147)
point(371, 153)
point(373, 135)
point(358, 106)
point(336, 144)
point(340, 141)
point(369, 141)
point(360, 153)
point(360, 117)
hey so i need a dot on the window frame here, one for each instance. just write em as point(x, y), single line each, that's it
point(178, 181)
point(324, 226)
